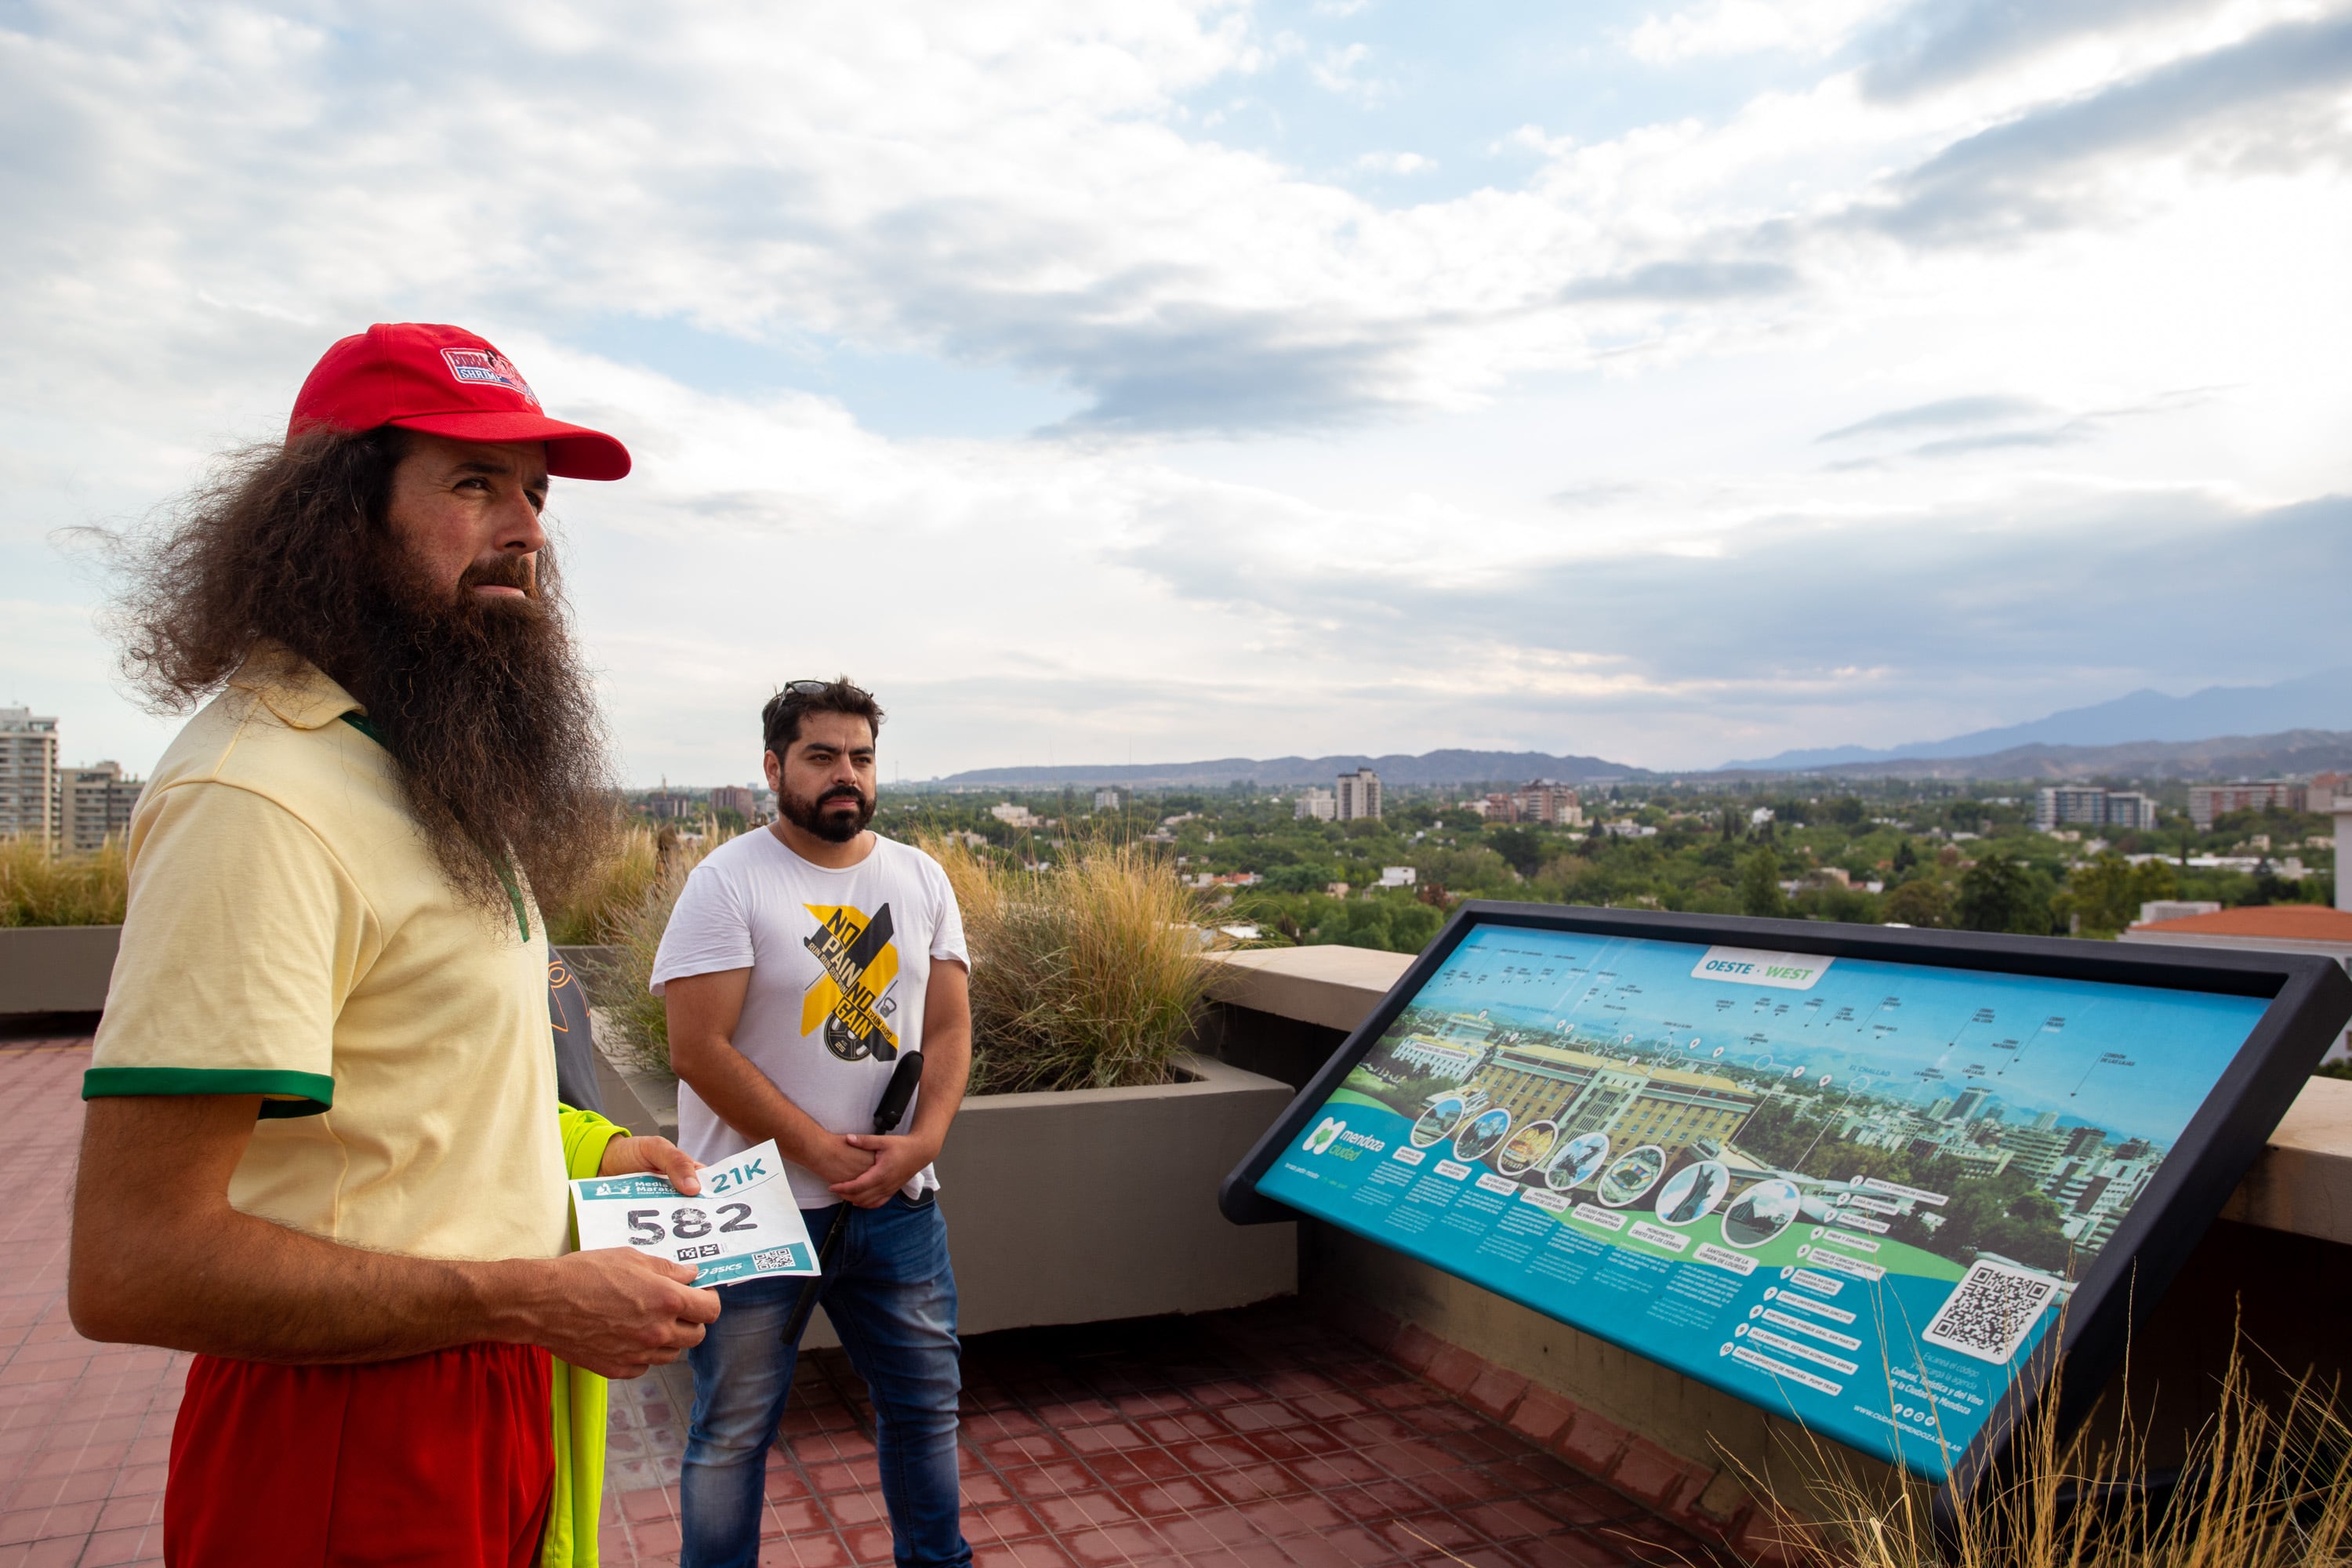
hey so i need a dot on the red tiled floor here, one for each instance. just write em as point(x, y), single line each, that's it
point(1234, 1440)
point(1225, 1441)
point(84, 1427)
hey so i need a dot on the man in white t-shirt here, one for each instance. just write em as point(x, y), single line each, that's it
point(802, 961)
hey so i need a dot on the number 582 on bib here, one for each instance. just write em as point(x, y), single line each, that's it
point(742, 1225)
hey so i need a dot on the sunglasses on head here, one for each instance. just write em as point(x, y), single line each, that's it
point(814, 689)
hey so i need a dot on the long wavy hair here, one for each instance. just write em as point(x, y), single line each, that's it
point(483, 703)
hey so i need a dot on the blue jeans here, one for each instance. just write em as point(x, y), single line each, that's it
point(891, 1297)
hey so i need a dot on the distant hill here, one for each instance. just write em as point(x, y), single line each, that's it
point(2299, 726)
point(2319, 702)
point(1447, 767)
point(2223, 757)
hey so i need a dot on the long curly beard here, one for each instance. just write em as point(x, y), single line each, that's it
point(484, 703)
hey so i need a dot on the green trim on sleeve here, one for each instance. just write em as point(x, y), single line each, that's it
point(309, 1092)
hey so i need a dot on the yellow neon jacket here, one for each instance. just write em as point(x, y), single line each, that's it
point(579, 1395)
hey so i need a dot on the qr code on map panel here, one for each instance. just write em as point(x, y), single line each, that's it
point(775, 1258)
point(1991, 1312)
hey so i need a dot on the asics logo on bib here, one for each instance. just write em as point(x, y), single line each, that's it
point(852, 999)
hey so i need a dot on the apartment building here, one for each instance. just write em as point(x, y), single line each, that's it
point(1545, 801)
point(2207, 802)
point(1315, 806)
point(1358, 797)
point(93, 804)
point(1542, 801)
point(29, 774)
point(2064, 806)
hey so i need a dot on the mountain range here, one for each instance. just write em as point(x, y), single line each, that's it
point(2318, 702)
point(1453, 766)
point(2216, 757)
point(2301, 725)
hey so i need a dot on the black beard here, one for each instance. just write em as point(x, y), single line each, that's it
point(484, 704)
point(810, 815)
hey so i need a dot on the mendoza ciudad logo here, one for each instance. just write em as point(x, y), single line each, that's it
point(1330, 1131)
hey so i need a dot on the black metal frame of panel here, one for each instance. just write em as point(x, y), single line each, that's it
point(2309, 996)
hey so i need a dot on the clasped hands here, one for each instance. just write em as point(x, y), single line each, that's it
point(864, 1168)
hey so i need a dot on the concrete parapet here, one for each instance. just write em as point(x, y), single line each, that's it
point(1089, 1204)
point(56, 969)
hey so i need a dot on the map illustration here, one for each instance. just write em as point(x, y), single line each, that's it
point(1851, 1191)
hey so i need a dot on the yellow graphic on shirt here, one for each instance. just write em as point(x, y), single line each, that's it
point(852, 997)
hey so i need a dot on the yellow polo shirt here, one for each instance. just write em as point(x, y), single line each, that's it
point(289, 934)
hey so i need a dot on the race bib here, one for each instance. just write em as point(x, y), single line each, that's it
point(743, 1224)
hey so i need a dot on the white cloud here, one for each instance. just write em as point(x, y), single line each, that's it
point(1339, 71)
point(1310, 420)
point(1747, 26)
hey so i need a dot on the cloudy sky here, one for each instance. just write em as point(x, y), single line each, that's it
point(1670, 382)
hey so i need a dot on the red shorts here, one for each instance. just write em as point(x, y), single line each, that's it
point(447, 1458)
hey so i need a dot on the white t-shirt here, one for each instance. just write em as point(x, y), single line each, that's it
point(840, 963)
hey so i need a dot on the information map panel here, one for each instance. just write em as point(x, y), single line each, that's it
point(1852, 1191)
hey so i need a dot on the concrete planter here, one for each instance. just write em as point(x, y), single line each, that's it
point(56, 969)
point(1097, 1203)
point(64, 969)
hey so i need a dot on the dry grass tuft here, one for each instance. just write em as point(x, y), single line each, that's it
point(2265, 1485)
point(602, 905)
point(37, 888)
point(634, 930)
point(1085, 975)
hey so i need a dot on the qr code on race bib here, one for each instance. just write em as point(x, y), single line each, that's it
point(775, 1258)
point(1991, 1312)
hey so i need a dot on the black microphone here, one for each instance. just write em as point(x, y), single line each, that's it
point(903, 1080)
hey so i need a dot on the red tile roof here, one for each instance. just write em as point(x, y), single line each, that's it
point(2282, 922)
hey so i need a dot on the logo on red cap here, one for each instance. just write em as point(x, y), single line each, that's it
point(489, 367)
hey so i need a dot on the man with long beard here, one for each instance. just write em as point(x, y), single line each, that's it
point(322, 1147)
point(800, 965)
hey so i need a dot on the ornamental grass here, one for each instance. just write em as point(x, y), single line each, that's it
point(600, 908)
point(634, 930)
point(2264, 1483)
point(39, 888)
point(1086, 974)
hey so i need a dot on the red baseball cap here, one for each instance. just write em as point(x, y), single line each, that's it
point(444, 381)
